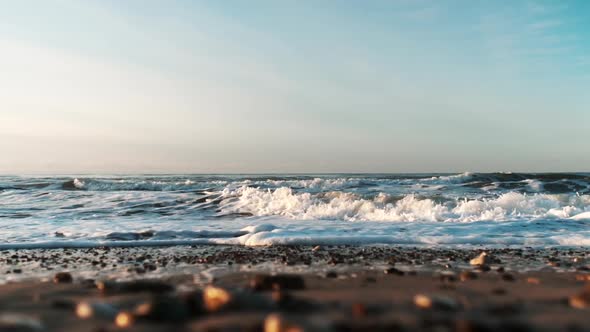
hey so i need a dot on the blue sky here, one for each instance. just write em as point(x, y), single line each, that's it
point(294, 86)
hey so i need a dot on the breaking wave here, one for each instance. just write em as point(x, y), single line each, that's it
point(383, 207)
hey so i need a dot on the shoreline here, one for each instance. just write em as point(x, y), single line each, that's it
point(343, 288)
point(131, 262)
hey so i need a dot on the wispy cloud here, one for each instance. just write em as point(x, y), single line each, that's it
point(527, 36)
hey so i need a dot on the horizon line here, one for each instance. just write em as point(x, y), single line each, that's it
point(287, 173)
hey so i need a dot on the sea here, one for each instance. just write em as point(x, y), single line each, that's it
point(421, 210)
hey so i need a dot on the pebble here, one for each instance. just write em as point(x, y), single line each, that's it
point(280, 323)
point(279, 281)
point(435, 302)
point(394, 271)
point(216, 298)
point(219, 299)
point(62, 278)
point(581, 300)
point(508, 277)
point(482, 259)
point(124, 319)
point(101, 310)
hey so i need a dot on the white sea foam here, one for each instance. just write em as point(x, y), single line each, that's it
point(349, 206)
point(534, 185)
point(78, 184)
point(581, 216)
point(446, 179)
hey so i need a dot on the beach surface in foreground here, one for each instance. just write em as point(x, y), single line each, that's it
point(218, 288)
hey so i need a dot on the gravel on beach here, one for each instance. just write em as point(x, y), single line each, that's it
point(217, 288)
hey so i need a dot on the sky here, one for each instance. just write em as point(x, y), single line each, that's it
point(283, 86)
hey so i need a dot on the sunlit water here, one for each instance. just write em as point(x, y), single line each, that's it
point(467, 209)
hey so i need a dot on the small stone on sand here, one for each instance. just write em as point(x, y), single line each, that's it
point(277, 323)
point(124, 320)
point(431, 302)
point(215, 298)
point(394, 271)
point(86, 310)
point(482, 259)
point(508, 277)
point(62, 278)
point(581, 300)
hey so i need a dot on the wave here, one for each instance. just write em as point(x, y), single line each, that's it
point(135, 185)
point(449, 179)
point(169, 235)
point(462, 235)
point(382, 207)
point(465, 208)
point(526, 182)
point(192, 184)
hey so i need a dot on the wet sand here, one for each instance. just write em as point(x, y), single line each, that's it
point(215, 288)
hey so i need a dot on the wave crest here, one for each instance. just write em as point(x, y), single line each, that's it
point(352, 207)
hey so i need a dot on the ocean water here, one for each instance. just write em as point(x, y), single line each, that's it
point(463, 210)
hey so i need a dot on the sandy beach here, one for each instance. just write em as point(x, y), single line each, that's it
point(218, 288)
